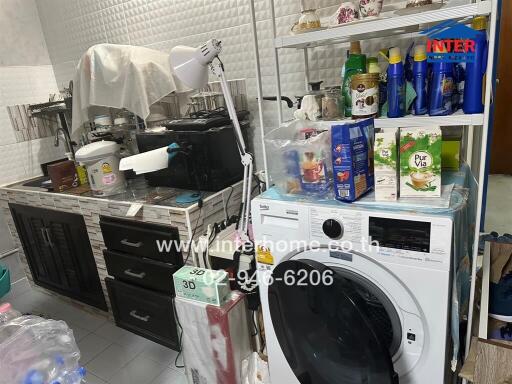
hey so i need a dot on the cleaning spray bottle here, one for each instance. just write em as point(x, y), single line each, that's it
point(441, 87)
point(475, 72)
point(356, 63)
point(396, 84)
point(420, 76)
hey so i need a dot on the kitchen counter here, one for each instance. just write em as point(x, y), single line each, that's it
point(140, 203)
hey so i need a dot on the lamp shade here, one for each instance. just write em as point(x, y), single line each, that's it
point(191, 64)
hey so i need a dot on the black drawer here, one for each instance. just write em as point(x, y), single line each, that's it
point(146, 313)
point(141, 271)
point(141, 239)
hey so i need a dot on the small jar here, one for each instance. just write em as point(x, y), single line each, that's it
point(309, 20)
point(331, 104)
point(365, 95)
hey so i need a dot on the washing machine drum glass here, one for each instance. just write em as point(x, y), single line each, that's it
point(344, 332)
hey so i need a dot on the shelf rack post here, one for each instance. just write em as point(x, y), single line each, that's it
point(482, 165)
point(259, 88)
point(276, 63)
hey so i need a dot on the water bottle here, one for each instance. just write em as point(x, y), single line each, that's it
point(420, 69)
point(396, 84)
point(74, 377)
point(7, 313)
point(475, 71)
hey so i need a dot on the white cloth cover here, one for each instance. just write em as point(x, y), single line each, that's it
point(120, 76)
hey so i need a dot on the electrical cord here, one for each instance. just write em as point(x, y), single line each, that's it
point(180, 337)
point(227, 202)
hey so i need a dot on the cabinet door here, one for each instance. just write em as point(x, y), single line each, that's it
point(59, 253)
point(31, 229)
point(72, 252)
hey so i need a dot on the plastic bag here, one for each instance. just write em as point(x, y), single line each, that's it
point(255, 370)
point(301, 158)
point(34, 350)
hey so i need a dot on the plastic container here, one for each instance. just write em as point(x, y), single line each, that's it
point(475, 72)
point(102, 162)
point(356, 63)
point(301, 158)
point(5, 281)
point(396, 84)
point(441, 88)
point(420, 80)
point(365, 95)
point(7, 313)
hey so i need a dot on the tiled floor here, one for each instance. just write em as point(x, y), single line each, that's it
point(110, 354)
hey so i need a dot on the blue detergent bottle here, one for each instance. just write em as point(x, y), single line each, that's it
point(420, 80)
point(441, 88)
point(396, 84)
point(474, 86)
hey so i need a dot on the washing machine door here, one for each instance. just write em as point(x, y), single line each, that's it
point(325, 330)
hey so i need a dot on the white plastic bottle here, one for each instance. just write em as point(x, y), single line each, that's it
point(7, 313)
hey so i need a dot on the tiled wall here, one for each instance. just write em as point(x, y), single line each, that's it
point(71, 26)
point(26, 76)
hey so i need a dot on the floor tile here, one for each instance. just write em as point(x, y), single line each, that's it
point(75, 315)
point(91, 346)
point(110, 361)
point(170, 376)
point(78, 332)
point(91, 379)
point(121, 336)
point(139, 371)
point(17, 289)
point(159, 353)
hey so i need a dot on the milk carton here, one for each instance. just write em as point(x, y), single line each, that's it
point(386, 165)
point(420, 162)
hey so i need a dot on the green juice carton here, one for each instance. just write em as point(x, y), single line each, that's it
point(386, 165)
point(203, 285)
point(420, 161)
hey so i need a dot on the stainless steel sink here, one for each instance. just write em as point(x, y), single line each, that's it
point(37, 182)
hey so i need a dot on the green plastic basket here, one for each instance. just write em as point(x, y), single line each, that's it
point(5, 281)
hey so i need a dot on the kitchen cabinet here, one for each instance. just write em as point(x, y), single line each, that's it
point(59, 253)
point(141, 289)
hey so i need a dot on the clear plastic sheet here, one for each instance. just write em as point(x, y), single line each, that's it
point(34, 350)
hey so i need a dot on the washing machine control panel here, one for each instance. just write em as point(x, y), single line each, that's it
point(406, 238)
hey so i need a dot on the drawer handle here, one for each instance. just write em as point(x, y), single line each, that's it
point(130, 244)
point(129, 272)
point(139, 317)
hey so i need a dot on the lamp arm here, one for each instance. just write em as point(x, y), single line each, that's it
point(246, 157)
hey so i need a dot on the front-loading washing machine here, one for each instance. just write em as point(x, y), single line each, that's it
point(353, 295)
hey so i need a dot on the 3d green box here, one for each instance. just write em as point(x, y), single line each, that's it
point(203, 285)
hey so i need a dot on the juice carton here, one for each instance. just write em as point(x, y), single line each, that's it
point(420, 162)
point(386, 165)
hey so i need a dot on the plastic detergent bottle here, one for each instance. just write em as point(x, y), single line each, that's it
point(420, 69)
point(475, 72)
point(441, 87)
point(356, 63)
point(7, 313)
point(396, 84)
point(372, 65)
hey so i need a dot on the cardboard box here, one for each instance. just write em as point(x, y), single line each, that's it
point(420, 161)
point(202, 285)
point(386, 165)
point(63, 175)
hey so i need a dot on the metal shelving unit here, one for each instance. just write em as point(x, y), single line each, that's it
point(476, 126)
